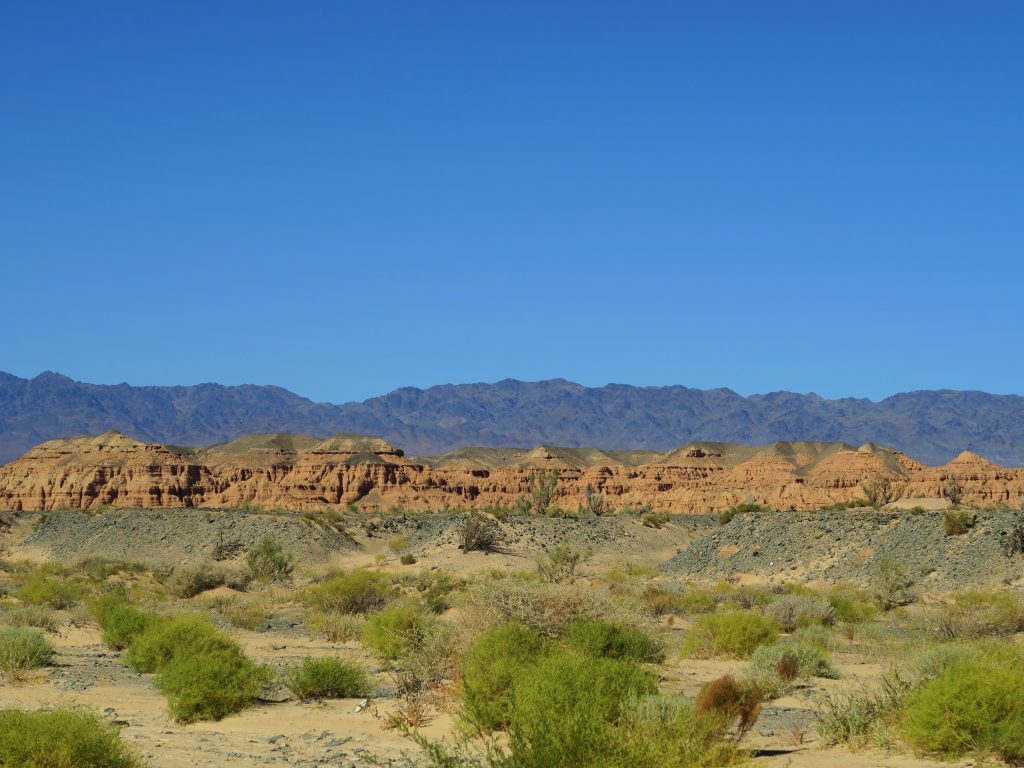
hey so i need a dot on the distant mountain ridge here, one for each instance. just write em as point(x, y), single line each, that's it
point(933, 426)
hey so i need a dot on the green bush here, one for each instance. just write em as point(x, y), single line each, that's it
point(490, 668)
point(61, 738)
point(167, 640)
point(388, 632)
point(769, 666)
point(38, 616)
point(122, 624)
point(327, 678)
point(267, 560)
point(734, 634)
point(567, 710)
point(408, 559)
point(956, 522)
point(602, 639)
point(851, 606)
point(655, 519)
point(203, 674)
point(105, 602)
point(359, 591)
point(22, 649)
point(210, 685)
point(40, 587)
point(975, 705)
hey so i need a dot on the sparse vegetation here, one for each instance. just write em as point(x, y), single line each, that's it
point(775, 667)
point(891, 584)
point(38, 616)
point(882, 490)
point(749, 507)
point(48, 586)
point(542, 490)
point(389, 631)
point(655, 519)
point(560, 563)
point(478, 533)
point(954, 490)
point(268, 561)
point(956, 522)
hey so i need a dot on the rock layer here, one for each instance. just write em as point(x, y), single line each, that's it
point(301, 473)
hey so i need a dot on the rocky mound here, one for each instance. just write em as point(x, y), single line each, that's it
point(170, 537)
point(847, 546)
point(300, 473)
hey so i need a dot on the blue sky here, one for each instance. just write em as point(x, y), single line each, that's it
point(347, 197)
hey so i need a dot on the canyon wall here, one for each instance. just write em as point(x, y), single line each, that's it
point(302, 473)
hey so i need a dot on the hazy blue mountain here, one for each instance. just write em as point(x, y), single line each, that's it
point(933, 426)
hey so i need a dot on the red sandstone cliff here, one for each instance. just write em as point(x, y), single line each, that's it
point(298, 472)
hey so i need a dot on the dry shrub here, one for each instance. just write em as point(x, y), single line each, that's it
point(734, 701)
point(478, 533)
point(794, 611)
point(787, 667)
point(980, 613)
point(956, 522)
point(335, 626)
point(545, 607)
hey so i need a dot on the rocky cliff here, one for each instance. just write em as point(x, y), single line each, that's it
point(300, 473)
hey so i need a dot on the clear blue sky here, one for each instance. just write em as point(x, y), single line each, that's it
point(347, 197)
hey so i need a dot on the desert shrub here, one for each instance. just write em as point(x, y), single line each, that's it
point(546, 607)
point(542, 490)
point(655, 519)
point(359, 591)
point(851, 606)
point(749, 596)
point(956, 522)
point(210, 685)
point(816, 636)
point(397, 543)
point(954, 490)
point(490, 668)
point(477, 533)
point(334, 626)
point(100, 568)
point(660, 602)
point(191, 580)
point(22, 649)
point(566, 709)
point(408, 559)
point(560, 563)
point(327, 678)
point(61, 738)
point(726, 517)
point(596, 503)
point(731, 700)
point(40, 587)
point(167, 640)
point(863, 714)
point(603, 639)
point(245, 614)
point(268, 560)
point(881, 491)
point(975, 705)
point(388, 631)
point(793, 611)
point(733, 634)
point(436, 589)
point(980, 613)
point(122, 624)
point(774, 667)
point(891, 584)
point(38, 616)
point(1013, 544)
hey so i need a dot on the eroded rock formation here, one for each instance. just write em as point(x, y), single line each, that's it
point(301, 473)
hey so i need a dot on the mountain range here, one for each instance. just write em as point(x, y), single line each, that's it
point(933, 426)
